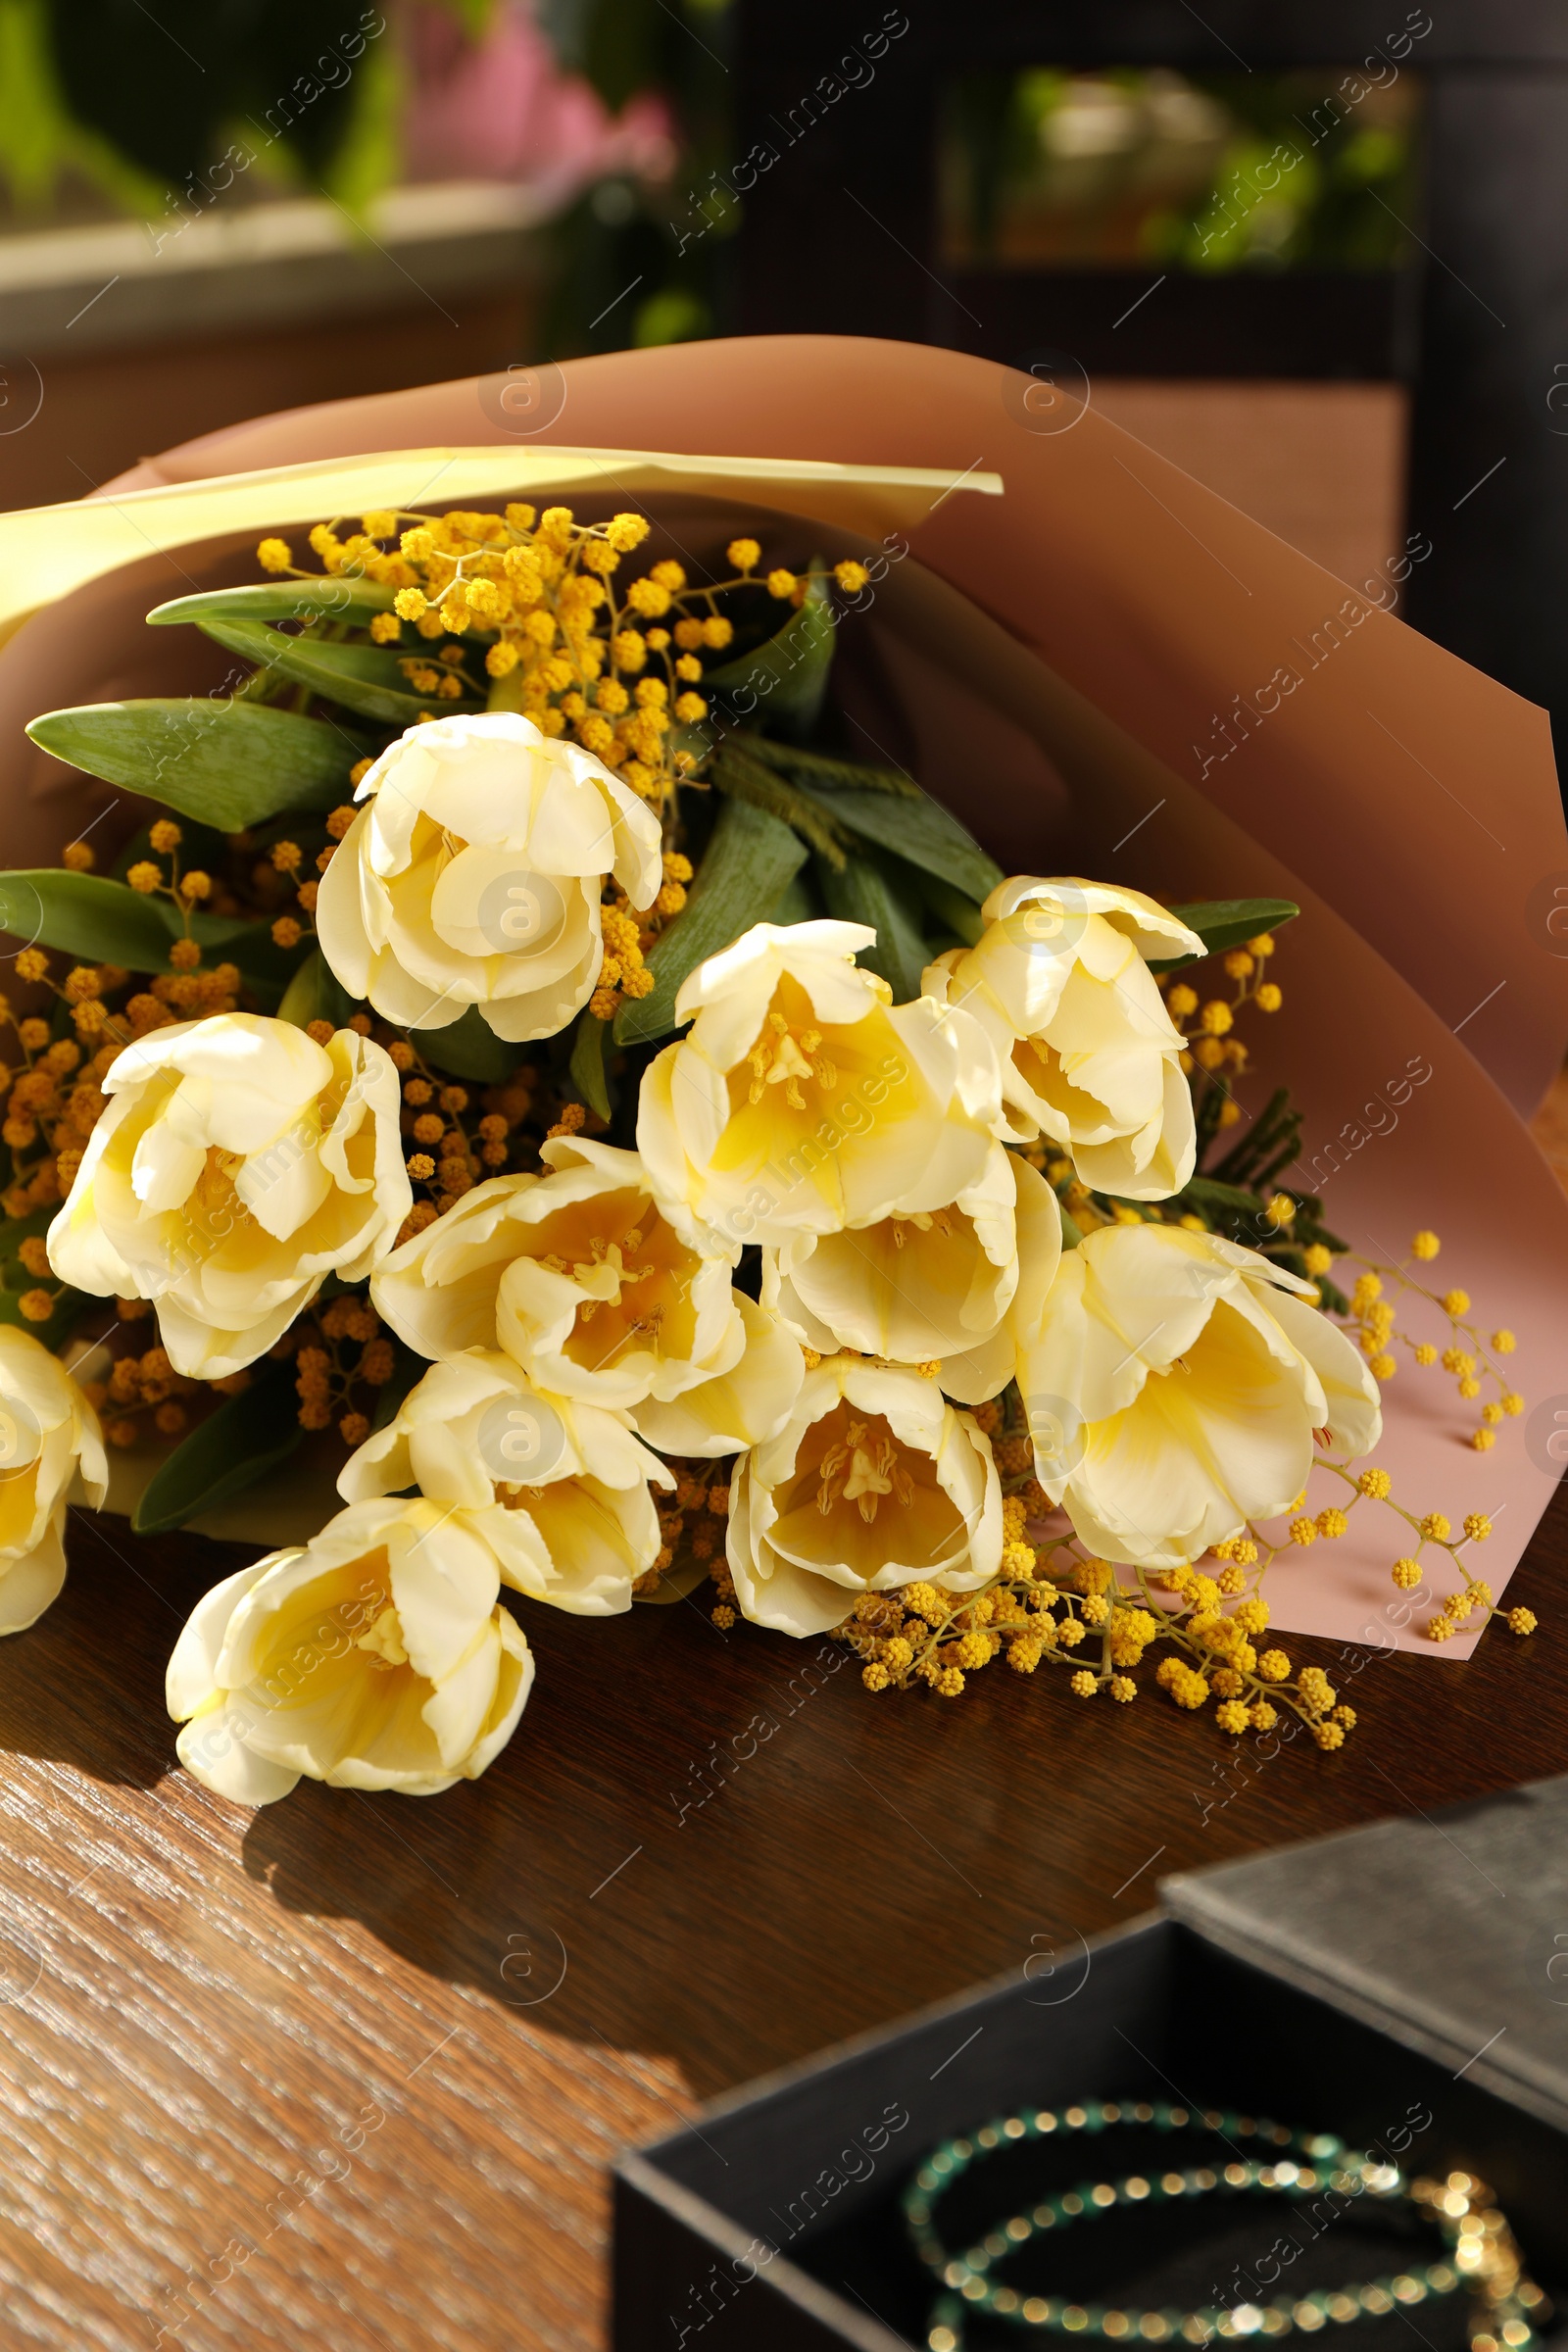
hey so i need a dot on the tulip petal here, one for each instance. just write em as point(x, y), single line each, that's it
point(27, 1586)
point(214, 1752)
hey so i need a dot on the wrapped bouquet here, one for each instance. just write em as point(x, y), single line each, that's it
point(557, 1107)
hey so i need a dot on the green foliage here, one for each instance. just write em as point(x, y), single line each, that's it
point(920, 831)
point(736, 774)
point(315, 994)
point(246, 1437)
point(1225, 923)
point(34, 124)
point(105, 922)
point(1232, 1197)
point(588, 1073)
point(273, 79)
point(825, 768)
point(750, 858)
point(369, 154)
point(470, 1049)
point(780, 684)
point(797, 903)
point(227, 763)
point(319, 599)
point(960, 913)
point(869, 889)
point(365, 678)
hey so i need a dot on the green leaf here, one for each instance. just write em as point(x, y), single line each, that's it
point(366, 678)
point(921, 831)
point(321, 599)
point(100, 921)
point(797, 903)
point(315, 994)
point(1209, 1193)
point(960, 913)
point(225, 764)
point(829, 770)
point(750, 858)
point(470, 1049)
point(106, 922)
point(867, 891)
point(740, 778)
point(588, 1073)
point(1223, 923)
point(780, 684)
point(245, 1438)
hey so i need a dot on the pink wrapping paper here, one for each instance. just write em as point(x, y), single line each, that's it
point(1119, 705)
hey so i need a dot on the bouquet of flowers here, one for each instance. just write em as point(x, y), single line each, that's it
point(533, 1065)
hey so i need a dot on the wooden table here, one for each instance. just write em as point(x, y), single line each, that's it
point(349, 2071)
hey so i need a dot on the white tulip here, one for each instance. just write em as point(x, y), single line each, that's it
point(558, 1489)
point(238, 1164)
point(48, 1432)
point(587, 1286)
point(875, 1482)
point(802, 1100)
point(376, 1656)
point(474, 873)
point(1088, 1052)
point(1177, 1388)
point(963, 1286)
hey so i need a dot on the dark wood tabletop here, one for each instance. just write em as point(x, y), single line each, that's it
point(350, 2071)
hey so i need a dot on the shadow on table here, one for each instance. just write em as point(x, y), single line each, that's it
point(718, 1847)
point(85, 1687)
point(849, 1860)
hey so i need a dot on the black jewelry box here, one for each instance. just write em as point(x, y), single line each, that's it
point(1403, 1985)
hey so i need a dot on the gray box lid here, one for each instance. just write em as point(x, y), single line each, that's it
point(1447, 1932)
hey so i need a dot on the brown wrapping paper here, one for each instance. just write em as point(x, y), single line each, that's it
point(1135, 680)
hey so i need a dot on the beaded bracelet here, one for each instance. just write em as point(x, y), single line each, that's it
point(1484, 2255)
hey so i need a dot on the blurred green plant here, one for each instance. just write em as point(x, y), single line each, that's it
point(156, 114)
point(620, 276)
point(1213, 172)
point(148, 111)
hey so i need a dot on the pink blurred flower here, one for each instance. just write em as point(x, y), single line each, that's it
point(502, 109)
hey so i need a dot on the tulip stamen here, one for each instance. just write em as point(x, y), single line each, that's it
point(862, 1473)
point(383, 1641)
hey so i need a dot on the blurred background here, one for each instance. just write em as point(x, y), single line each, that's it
point(1317, 255)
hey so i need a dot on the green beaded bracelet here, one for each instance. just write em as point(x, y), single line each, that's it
point(1484, 2256)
